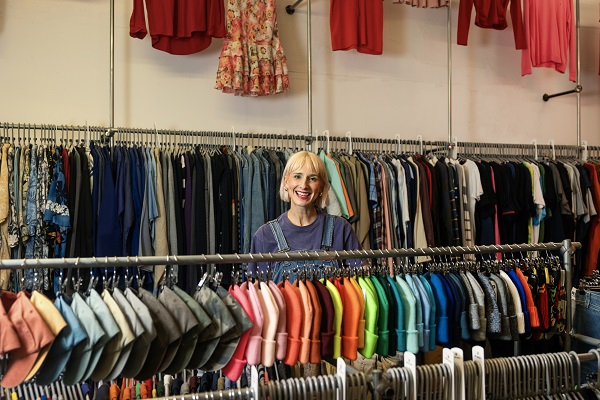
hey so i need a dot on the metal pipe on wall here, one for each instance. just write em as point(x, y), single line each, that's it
point(309, 64)
point(449, 38)
point(111, 100)
point(578, 57)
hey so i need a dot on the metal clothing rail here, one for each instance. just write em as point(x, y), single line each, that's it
point(229, 394)
point(566, 248)
point(129, 261)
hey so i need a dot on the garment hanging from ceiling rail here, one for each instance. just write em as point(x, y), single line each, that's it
point(132, 333)
point(550, 33)
point(252, 60)
point(491, 15)
point(178, 27)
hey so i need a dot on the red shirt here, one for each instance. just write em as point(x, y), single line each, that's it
point(178, 26)
point(357, 24)
point(491, 14)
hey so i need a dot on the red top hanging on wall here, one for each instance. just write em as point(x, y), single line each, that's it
point(491, 14)
point(178, 26)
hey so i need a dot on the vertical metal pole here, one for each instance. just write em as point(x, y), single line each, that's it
point(309, 64)
point(578, 78)
point(449, 35)
point(565, 250)
point(111, 106)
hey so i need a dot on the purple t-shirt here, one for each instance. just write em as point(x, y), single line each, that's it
point(307, 237)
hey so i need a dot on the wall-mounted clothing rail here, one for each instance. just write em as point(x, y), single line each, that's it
point(82, 133)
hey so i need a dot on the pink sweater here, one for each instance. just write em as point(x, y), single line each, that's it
point(550, 33)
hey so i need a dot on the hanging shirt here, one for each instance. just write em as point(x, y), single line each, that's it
point(357, 24)
point(176, 26)
point(550, 37)
point(491, 14)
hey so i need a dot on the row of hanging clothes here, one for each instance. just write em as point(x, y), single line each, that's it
point(398, 198)
point(82, 334)
point(144, 196)
point(163, 194)
point(87, 335)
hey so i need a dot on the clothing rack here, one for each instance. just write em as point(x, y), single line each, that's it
point(354, 384)
point(528, 370)
point(566, 249)
point(83, 133)
point(29, 263)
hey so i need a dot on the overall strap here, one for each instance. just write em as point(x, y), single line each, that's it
point(278, 233)
point(327, 240)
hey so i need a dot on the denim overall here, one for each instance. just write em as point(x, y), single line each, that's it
point(293, 267)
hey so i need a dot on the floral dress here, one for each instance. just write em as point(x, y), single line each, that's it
point(252, 62)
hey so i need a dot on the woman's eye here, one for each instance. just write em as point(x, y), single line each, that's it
point(314, 178)
point(297, 176)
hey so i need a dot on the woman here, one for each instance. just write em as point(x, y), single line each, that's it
point(306, 226)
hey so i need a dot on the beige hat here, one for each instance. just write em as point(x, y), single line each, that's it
point(53, 319)
point(121, 343)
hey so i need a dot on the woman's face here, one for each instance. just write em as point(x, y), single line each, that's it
point(303, 186)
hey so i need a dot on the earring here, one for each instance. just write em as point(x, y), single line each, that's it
point(320, 194)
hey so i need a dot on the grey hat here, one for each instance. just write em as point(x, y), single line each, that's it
point(109, 325)
point(120, 344)
point(478, 334)
point(167, 335)
point(500, 288)
point(96, 339)
point(188, 326)
point(222, 322)
point(491, 305)
point(136, 328)
point(229, 341)
point(141, 347)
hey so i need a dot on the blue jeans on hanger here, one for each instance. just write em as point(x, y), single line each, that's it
point(586, 322)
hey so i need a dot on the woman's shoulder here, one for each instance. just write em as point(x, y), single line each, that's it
point(340, 221)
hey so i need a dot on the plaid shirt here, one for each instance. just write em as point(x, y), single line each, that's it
point(377, 218)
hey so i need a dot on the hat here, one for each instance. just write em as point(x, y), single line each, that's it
point(137, 329)
point(233, 369)
point(120, 344)
point(203, 318)
point(33, 333)
point(72, 335)
point(254, 346)
point(9, 339)
point(166, 334)
point(167, 298)
point(55, 322)
point(141, 347)
point(109, 325)
point(222, 322)
point(188, 326)
point(96, 339)
point(229, 341)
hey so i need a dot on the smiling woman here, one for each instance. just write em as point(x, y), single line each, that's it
point(306, 226)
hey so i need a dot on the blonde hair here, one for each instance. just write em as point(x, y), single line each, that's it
point(297, 161)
